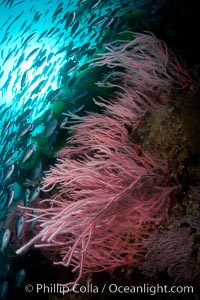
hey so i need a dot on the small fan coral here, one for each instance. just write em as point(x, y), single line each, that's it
point(175, 251)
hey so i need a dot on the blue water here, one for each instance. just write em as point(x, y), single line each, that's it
point(12, 38)
point(50, 44)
